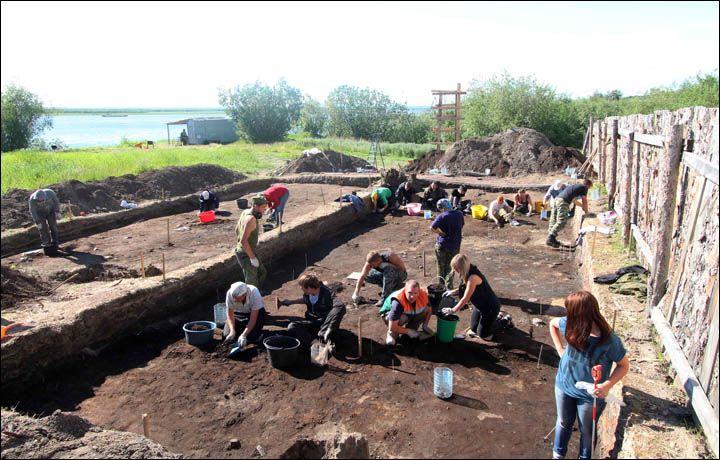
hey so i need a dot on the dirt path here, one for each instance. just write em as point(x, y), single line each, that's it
point(198, 400)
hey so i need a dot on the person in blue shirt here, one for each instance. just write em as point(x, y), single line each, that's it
point(448, 226)
point(208, 201)
point(590, 342)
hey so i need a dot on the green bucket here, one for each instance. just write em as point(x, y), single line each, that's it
point(446, 328)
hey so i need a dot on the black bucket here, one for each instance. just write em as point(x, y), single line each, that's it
point(242, 203)
point(435, 292)
point(268, 227)
point(50, 251)
point(282, 350)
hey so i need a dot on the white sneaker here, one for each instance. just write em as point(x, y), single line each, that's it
point(389, 339)
point(514, 223)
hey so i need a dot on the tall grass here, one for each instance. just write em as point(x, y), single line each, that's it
point(33, 169)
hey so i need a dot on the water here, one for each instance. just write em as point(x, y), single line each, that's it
point(98, 131)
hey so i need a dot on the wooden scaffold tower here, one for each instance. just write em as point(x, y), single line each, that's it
point(447, 112)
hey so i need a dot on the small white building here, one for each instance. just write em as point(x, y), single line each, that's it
point(202, 131)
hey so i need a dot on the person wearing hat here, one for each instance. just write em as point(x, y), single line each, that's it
point(208, 201)
point(247, 231)
point(45, 212)
point(277, 196)
point(448, 226)
point(381, 197)
point(245, 313)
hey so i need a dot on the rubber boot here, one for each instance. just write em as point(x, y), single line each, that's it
point(551, 241)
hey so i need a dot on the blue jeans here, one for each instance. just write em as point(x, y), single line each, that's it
point(567, 409)
point(278, 213)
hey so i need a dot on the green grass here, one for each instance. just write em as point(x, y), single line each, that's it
point(33, 169)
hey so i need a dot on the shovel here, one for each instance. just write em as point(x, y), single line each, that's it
point(318, 355)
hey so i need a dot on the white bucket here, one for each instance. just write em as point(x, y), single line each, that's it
point(487, 171)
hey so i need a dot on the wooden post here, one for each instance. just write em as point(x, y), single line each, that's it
point(457, 114)
point(613, 163)
point(627, 180)
point(168, 231)
point(163, 256)
point(590, 138)
point(592, 251)
point(69, 211)
point(146, 425)
point(603, 158)
point(599, 150)
point(162, 194)
point(424, 270)
point(636, 195)
point(360, 337)
point(614, 316)
point(341, 196)
point(664, 213)
point(323, 195)
point(142, 264)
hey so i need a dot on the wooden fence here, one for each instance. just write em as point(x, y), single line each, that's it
point(661, 172)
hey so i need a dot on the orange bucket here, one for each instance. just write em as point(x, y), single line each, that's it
point(538, 206)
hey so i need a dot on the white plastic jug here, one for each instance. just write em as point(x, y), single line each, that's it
point(443, 383)
point(220, 313)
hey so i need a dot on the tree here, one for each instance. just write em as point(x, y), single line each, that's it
point(360, 113)
point(22, 118)
point(313, 118)
point(263, 113)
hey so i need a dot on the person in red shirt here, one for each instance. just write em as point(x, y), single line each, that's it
point(277, 196)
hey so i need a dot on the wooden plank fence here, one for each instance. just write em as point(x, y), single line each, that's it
point(661, 173)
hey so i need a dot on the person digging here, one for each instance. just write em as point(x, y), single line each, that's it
point(384, 268)
point(323, 314)
point(559, 216)
point(276, 196)
point(500, 211)
point(245, 312)
point(247, 231)
point(382, 199)
point(208, 201)
point(45, 212)
point(405, 311)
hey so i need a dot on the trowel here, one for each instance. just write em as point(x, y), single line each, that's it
point(234, 350)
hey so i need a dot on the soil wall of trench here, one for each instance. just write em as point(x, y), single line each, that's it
point(28, 355)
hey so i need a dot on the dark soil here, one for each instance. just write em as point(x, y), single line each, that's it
point(326, 161)
point(17, 286)
point(199, 327)
point(515, 152)
point(106, 195)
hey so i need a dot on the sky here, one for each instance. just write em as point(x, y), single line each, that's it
point(179, 54)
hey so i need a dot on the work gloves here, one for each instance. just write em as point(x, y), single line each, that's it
point(355, 298)
point(255, 262)
point(230, 337)
point(389, 339)
point(413, 334)
point(447, 293)
point(242, 341)
point(447, 311)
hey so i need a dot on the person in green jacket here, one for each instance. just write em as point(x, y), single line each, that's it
point(247, 234)
point(381, 198)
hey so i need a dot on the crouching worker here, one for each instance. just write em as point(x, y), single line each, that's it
point(384, 268)
point(500, 212)
point(486, 318)
point(382, 199)
point(45, 212)
point(245, 313)
point(323, 315)
point(405, 311)
point(208, 201)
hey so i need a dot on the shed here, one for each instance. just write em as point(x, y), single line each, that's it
point(205, 130)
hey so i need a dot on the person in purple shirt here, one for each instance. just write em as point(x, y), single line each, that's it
point(448, 226)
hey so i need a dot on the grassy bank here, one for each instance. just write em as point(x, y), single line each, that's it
point(33, 169)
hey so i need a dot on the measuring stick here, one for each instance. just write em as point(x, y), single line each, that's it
point(540, 355)
point(424, 270)
point(614, 316)
point(146, 425)
point(360, 337)
point(323, 195)
point(163, 266)
point(142, 264)
point(168, 231)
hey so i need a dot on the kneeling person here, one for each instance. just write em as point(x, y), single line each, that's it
point(323, 315)
point(245, 312)
point(405, 311)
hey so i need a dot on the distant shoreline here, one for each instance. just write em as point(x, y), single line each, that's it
point(124, 111)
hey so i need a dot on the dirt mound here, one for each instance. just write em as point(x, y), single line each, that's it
point(63, 435)
point(17, 286)
point(322, 161)
point(106, 195)
point(515, 152)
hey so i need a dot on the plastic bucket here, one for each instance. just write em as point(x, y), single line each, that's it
point(207, 216)
point(435, 292)
point(446, 328)
point(538, 206)
point(220, 314)
point(413, 209)
point(199, 337)
point(50, 250)
point(428, 214)
point(282, 350)
point(443, 382)
point(242, 203)
point(478, 211)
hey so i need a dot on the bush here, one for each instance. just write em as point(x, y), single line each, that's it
point(22, 118)
point(313, 118)
point(361, 113)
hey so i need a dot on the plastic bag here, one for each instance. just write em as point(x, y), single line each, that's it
point(587, 386)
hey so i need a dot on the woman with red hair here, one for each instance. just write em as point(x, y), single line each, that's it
point(590, 342)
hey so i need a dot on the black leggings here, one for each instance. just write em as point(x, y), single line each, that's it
point(483, 322)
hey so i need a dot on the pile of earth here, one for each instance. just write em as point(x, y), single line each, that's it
point(515, 152)
point(318, 161)
point(106, 194)
point(17, 285)
point(63, 435)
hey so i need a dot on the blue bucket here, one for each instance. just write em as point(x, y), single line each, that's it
point(199, 337)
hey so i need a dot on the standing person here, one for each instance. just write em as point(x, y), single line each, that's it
point(45, 212)
point(384, 268)
point(486, 318)
point(501, 212)
point(277, 196)
point(590, 342)
point(404, 193)
point(208, 201)
point(183, 138)
point(245, 313)
point(324, 311)
point(523, 203)
point(382, 197)
point(404, 311)
point(247, 234)
point(448, 226)
point(456, 199)
point(559, 216)
point(432, 195)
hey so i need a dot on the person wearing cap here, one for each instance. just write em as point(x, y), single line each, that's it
point(381, 198)
point(276, 197)
point(208, 201)
point(245, 313)
point(323, 314)
point(448, 226)
point(247, 231)
point(433, 194)
point(405, 311)
point(45, 212)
